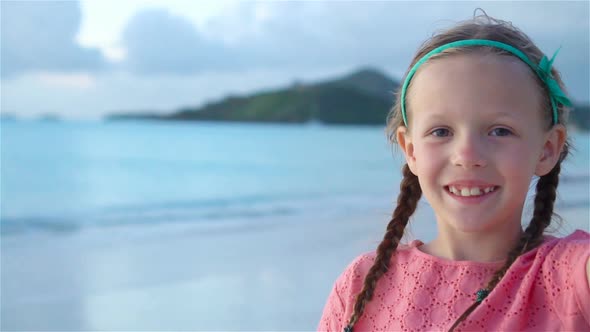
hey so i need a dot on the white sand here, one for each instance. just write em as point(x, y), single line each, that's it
point(265, 276)
point(262, 277)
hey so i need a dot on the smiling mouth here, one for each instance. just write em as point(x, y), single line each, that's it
point(470, 191)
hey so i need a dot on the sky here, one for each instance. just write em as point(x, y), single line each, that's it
point(88, 59)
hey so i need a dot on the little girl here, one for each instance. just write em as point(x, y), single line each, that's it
point(481, 111)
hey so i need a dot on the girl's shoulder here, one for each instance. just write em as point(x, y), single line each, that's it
point(340, 303)
point(562, 249)
point(562, 259)
point(577, 237)
point(558, 260)
point(555, 274)
point(351, 281)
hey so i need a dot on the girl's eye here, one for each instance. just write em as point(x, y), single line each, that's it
point(440, 132)
point(500, 132)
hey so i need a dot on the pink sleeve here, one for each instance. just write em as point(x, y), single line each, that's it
point(332, 318)
point(580, 282)
point(339, 305)
point(567, 284)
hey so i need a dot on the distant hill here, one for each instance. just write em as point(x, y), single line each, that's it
point(362, 97)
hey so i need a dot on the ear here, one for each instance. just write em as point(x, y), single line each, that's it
point(552, 147)
point(404, 140)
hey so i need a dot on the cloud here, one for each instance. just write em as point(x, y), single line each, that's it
point(386, 34)
point(328, 32)
point(303, 34)
point(158, 42)
point(312, 35)
point(40, 36)
point(267, 35)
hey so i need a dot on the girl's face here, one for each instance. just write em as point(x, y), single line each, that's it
point(476, 136)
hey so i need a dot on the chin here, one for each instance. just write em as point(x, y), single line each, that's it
point(472, 225)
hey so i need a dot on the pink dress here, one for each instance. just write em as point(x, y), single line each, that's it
point(545, 289)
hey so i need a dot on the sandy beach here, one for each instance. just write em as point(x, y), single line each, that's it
point(262, 277)
point(266, 276)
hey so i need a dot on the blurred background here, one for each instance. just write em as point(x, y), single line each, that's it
point(184, 165)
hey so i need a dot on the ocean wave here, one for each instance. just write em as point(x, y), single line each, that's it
point(245, 208)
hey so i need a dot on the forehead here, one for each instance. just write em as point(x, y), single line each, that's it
point(474, 85)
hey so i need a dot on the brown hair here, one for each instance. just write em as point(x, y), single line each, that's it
point(480, 27)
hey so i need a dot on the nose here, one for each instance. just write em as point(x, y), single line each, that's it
point(469, 151)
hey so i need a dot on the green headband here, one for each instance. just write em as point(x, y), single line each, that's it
point(543, 70)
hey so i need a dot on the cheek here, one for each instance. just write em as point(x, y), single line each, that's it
point(429, 160)
point(423, 151)
point(519, 163)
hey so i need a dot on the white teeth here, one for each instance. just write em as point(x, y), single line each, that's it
point(475, 191)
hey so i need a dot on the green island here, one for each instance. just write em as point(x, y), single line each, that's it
point(363, 97)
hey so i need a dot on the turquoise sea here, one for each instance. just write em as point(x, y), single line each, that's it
point(60, 177)
point(64, 176)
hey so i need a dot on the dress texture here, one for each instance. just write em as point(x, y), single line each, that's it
point(546, 289)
